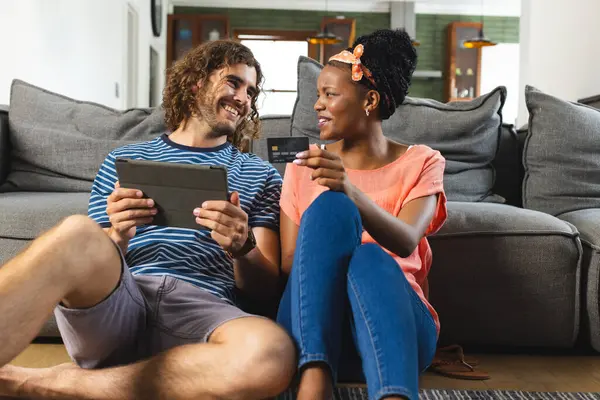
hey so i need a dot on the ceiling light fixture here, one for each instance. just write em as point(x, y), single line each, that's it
point(324, 37)
point(480, 40)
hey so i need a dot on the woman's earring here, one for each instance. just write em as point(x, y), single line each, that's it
point(367, 112)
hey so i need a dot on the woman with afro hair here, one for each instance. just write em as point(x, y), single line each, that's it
point(355, 214)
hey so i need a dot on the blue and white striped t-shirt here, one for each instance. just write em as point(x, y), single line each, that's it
point(189, 254)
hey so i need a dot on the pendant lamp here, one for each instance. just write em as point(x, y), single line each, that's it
point(480, 40)
point(324, 37)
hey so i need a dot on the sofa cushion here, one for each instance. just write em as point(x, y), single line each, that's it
point(24, 215)
point(503, 275)
point(562, 166)
point(466, 132)
point(304, 117)
point(59, 143)
point(587, 223)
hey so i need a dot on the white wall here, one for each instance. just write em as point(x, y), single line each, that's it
point(560, 49)
point(500, 67)
point(74, 47)
point(146, 39)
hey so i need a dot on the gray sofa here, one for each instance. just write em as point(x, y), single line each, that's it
point(502, 275)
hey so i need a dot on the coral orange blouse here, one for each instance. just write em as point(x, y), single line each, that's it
point(417, 173)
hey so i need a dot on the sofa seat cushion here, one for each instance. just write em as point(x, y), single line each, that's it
point(502, 275)
point(587, 223)
point(24, 215)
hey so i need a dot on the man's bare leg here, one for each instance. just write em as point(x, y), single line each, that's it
point(77, 262)
point(59, 265)
point(247, 358)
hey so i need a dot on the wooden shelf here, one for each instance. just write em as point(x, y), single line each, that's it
point(463, 67)
point(186, 31)
point(342, 27)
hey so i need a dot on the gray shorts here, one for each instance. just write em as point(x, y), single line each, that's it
point(142, 317)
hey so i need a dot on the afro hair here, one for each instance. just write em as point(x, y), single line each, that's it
point(392, 59)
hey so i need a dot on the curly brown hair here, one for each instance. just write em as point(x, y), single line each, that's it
point(179, 99)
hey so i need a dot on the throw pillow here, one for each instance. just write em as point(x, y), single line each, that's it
point(58, 143)
point(466, 132)
point(562, 166)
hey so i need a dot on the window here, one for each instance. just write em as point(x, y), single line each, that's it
point(277, 52)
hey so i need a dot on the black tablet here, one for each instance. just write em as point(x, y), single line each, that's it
point(177, 189)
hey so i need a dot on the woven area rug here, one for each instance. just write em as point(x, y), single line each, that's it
point(431, 394)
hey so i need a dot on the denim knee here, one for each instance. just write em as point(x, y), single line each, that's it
point(372, 256)
point(335, 207)
point(370, 251)
point(372, 263)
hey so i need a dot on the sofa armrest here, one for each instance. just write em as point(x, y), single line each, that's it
point(4, 144)
point(587, 222)
point(505, 276)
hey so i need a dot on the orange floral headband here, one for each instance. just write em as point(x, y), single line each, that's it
point(358, 68)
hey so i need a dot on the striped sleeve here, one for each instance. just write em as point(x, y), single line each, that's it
point(265, 212)
point(103, 186)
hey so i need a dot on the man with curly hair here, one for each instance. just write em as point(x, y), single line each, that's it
point(150, 312)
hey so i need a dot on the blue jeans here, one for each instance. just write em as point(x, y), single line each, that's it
point(337, 284)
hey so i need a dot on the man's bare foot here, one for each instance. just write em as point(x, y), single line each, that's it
point(18, 381)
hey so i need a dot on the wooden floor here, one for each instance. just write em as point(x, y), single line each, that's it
point(511, 372)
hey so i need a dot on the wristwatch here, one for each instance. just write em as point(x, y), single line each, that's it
point(247, 247)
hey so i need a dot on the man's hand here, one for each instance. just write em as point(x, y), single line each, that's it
point(328, 169)
point(126, 210)
point(227, 221)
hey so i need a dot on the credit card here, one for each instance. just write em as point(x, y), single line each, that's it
point(284, 149)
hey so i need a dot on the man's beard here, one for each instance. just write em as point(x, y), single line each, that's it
point(206, 108)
